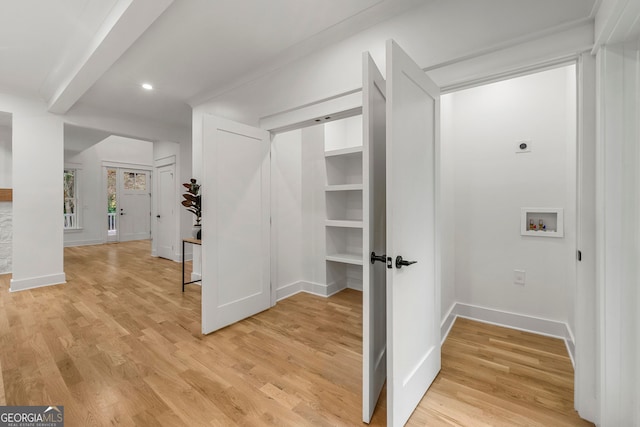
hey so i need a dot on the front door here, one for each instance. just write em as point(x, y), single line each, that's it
point(134, 210)
point(413, 291)
point(235, 222)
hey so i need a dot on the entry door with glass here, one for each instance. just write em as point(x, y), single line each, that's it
point(128, 204)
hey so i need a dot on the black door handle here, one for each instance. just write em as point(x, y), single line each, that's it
point(157, 216)
point(400, 262)
point(381, 258)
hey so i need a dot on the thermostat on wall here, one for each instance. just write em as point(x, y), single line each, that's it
point(523, 146)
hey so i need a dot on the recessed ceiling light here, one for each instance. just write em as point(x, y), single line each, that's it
point(147, 86)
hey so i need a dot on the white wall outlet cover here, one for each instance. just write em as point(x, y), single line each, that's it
point(518, 277)
point(523, 146)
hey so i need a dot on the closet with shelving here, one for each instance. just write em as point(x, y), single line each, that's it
point(317, 195)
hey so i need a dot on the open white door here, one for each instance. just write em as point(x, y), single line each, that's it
point(374, 328)
point(413, 292)
point(235, 222)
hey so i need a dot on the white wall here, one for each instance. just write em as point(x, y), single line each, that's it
point(313, 205)
point(37, 151)
point(5, 207)
point(5, 157)
point(447, 207)
point(618, 239)
point(492, 183)
point(286, 203)
point(92, 193)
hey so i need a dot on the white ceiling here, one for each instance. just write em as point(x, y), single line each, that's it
point(94, 54)
point(36, 37)
point(203, 45)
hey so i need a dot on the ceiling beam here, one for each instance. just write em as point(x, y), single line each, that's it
point(126, 22)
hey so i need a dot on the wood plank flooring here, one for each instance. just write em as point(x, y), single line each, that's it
point(120, 344)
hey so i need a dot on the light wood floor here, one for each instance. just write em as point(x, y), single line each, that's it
point(119, 344)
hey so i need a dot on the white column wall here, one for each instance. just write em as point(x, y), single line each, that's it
point(38, 147)
point(618, 202)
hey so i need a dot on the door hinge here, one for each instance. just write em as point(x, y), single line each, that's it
point(579, 255)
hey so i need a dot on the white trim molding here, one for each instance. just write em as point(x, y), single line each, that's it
point(521, 322)
point(317, 289)
point(37, 282)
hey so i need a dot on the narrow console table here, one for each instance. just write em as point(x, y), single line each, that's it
point(193, 242)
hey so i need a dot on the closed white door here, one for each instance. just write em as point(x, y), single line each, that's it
point(413, 291)
point(235, 222)
point(134, 205)
point(374, 333)
point(165, 217)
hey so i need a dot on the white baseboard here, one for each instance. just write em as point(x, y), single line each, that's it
point(309, 287)
point(522, 322)
point(83, 243)
point(288, 290)
point(196, 276)
point(447, 323)
point(37, 282)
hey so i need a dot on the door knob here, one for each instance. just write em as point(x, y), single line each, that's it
point(381, 258)
point(157, 216)
point(400, 262)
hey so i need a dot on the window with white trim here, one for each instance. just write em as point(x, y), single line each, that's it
point(70, 181)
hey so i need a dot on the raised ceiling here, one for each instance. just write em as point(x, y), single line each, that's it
point(95, 54)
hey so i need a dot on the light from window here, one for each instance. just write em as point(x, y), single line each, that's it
point(70, 199)
point(135, 181)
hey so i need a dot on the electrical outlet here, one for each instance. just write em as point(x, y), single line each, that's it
point(518, 277)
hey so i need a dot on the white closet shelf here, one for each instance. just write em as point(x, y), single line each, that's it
point(345, 258)
point(343, 151)
point(343, 223)
point(343, 187)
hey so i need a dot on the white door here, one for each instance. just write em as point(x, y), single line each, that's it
point(235, 222)
point(413, 292)
point(165, 216)
point(134, 205)
point(374, 333)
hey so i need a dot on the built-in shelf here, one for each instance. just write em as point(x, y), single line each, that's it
point(343, 187)
point(345, 258)
point(6, 194)
point(343, 151)
point(343, 223)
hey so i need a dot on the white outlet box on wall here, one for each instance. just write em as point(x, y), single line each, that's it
point(523, 146)
point(518, 277)
point(542, 222)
